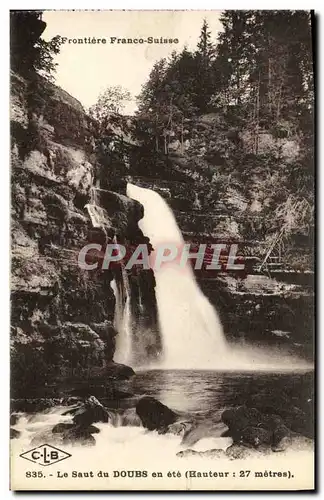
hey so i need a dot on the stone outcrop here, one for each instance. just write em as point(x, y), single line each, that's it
point(62, 316)
point(220, 196)
point(69, 189)
point(250, 427)
point(155, 415)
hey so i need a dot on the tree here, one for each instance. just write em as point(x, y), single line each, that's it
point(152, 90)
point(29, 53)
point(112, 100)
point(204, 56)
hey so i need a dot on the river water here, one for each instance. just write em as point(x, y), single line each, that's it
point(203, 394)
point(206, 393)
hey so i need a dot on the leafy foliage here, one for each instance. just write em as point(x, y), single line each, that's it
point(112, 100)
point(29, 52)
point(241, 102)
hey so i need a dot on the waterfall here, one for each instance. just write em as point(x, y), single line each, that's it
point(122, 321)
point(122, 317)
point(98, 216)
point(120, 286)
point(192, 333)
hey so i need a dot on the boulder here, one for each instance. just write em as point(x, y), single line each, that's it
point(91, 411)
point(239, 418)
point(182, 428)
point(271, 421)
point(195, 431)
point(254, 428)
point(208, 453)
point(256, 436)
point(130, 417)
point(79, 435)
point(93, 429)
point(298, 419)
point(239, 452)
point(117, 371)
point(62, 427)
point(33, 405)
point(72, 410)
point(70, 400)
point(281, 438)
point(155, 415)
point(86, 416)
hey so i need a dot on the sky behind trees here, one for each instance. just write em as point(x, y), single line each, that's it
point(86, 70)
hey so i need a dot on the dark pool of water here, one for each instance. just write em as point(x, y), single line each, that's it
point(207, 393)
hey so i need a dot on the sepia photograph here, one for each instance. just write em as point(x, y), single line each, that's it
point(162, 250)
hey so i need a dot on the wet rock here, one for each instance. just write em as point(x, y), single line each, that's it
point(281, 438)
point(92, 402)
point(256, 436)
point(79, 435)
point(14, 434)
point(241, 452)
point(70, 429)
point(187, 453)
point(91, 411)
point(33, 405)
point(226, 433)
point(297, 418)
point(61, 427)
point(271, 421)
point(254, 428)
point(71, 411)
point(208, 453)
point(239, 418)
point(130, 417)
point(83, 417)
point(182, 428)
point(155, 415)
point(70, 400)
point(215, 453)
point(118, 371)
point(195, 431)
point(282, 445)
point(121, 395)
point(86, 416)
point(93, 429)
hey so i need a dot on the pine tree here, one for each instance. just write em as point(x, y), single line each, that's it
point(205, 48)
point(204, 57)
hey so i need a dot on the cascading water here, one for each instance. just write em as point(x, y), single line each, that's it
point(192, 334)
point(123, 320)
point(119, 285)
point(191, 330)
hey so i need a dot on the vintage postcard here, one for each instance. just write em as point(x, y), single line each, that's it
point(162, 238)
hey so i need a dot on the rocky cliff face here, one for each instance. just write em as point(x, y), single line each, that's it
point(62, 316)
point(216, 198)
point(63, 170)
